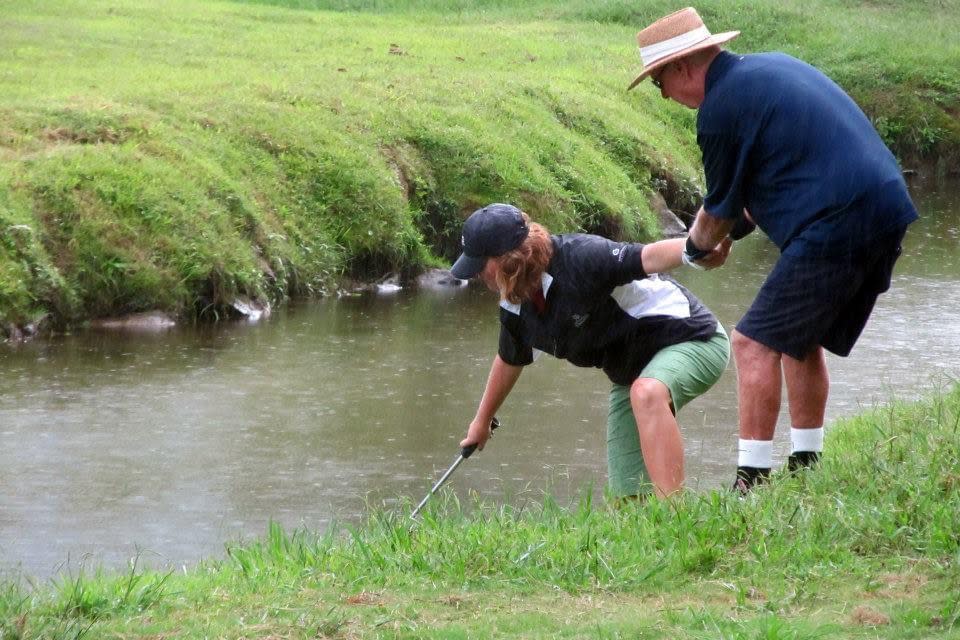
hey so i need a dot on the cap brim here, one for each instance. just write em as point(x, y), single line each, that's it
point(467, 267)
point(718, 38)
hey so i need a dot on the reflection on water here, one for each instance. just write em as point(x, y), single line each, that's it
point(178, 442)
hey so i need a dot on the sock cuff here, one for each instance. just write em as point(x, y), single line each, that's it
point(806, 439)
point(755, 453)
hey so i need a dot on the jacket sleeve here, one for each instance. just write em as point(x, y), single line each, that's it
point(601, 264)
point(513, 349)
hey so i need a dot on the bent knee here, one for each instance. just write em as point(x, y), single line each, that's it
point(649, 392)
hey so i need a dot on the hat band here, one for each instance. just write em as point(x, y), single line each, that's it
point(651, 54)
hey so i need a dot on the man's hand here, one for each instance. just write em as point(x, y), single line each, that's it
point(478, 433)
point(708, 231)
point(706, 259)
point(717, 256)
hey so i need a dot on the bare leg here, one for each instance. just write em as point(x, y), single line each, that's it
point(660, 438)
point(758, 387)
point(808, 384)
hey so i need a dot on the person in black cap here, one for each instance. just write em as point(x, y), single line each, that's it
point(599, 303)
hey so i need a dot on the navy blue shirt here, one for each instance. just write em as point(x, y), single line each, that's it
point(602, 311)
point(782, 140)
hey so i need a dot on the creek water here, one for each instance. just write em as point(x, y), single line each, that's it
point(168, 445)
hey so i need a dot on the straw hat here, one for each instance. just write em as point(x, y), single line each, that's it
point(675, 36)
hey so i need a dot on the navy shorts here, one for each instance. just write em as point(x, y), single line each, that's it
point(807, 302)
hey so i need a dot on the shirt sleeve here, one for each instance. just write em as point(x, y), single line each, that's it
point(726, 148)
point(603, 264)
point(512, 348)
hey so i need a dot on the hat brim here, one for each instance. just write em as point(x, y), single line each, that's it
point(467, 267)
point(719, 38)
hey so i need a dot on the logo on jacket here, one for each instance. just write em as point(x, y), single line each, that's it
point(579, 319)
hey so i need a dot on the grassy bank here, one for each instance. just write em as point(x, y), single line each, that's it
point(867, 546)
point(177, 155)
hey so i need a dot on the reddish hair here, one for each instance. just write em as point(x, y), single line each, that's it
point(519, 271)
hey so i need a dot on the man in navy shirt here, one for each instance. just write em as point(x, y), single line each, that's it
point(785, 149)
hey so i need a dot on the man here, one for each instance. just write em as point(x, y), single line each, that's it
point(786, 149)
point(605, 304)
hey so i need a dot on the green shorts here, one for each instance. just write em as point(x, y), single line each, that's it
point(687, 369)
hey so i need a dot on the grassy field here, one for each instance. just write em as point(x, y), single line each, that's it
point(867, 546)
point(177, 155)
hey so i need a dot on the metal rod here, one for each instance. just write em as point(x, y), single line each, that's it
point(465, 453)
point(442, 479)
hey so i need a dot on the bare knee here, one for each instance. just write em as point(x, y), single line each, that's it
point(649, 394)
point(749, 353)
point(748, 346)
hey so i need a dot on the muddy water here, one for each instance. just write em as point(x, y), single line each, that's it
point(171, 444)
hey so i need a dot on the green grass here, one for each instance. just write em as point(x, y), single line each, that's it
point(867, 546)
point(176, 155)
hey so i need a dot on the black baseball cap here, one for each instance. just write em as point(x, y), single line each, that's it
point(487, 233)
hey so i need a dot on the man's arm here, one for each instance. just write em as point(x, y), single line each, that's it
point(661, 256)
point(707, 231)
point(499, 384)
point(664, 255)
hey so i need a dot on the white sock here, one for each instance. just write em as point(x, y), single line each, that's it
point(755, 453)
point(806, 439)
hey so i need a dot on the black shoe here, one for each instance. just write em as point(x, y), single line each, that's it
point(749, 477)
point(802, 460)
